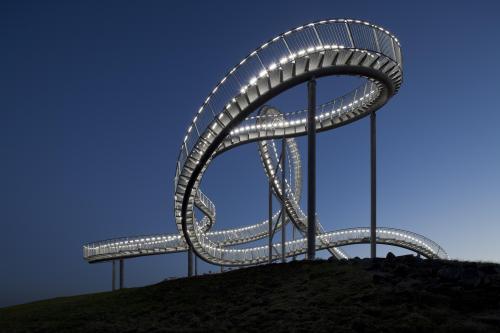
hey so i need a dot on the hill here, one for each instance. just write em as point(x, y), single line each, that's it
point(396, 294)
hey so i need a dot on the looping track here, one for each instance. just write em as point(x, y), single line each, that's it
point(224, 121)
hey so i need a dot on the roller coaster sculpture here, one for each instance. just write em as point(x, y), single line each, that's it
point(226, 119)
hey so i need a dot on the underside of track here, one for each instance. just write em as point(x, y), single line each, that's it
point(235, 113)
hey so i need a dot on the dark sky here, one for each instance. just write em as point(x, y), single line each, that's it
point(96, 97)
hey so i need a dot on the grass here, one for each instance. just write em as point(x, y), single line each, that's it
point(401, 294)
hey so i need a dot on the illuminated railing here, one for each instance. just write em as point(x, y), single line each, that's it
point(284, 56)
point(294, 44)
point(343, 40)
point(152, 244)
point(134, 244)
point(362, 96)
point(172, 242)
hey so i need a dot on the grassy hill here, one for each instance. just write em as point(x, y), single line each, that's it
point(397, 294)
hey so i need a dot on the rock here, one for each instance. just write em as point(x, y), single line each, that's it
point(390, 256)
point(355, 261)
point(343, 261)
point(407, 258)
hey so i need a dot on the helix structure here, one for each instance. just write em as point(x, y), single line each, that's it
point(235, 113)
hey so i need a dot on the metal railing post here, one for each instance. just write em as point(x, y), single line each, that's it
point(270, 205)
point(376, 40)
point(113, 275)
point(283, 196)
point(311, 170)
point(122, 268)
point(349, 34)
point(373, 185)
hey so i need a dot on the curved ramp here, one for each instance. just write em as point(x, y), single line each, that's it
point(129, 247)
point(225, 120)
point(330, 47)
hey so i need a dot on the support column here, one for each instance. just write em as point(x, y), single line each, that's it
point(113, 276)
point(195, 265)
point(373, 176)
point(293, 238)
point(190, 262)
point(270, 217)
point(283, 197)
point(121, 273)
point(311, 169)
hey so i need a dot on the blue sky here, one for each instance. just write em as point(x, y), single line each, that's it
point(96, 98)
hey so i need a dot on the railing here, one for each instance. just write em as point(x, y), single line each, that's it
point(322, 35)
point(206, 201)
point(403, 236)
point(177, 242)
point(357, 98)
point(133, 244)
point(172, 243)
point(343, 237)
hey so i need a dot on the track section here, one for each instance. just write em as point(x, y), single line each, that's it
point(273, 169)
point(174, 243)
point(130, 247)
point(330, 47)
point(146, 245)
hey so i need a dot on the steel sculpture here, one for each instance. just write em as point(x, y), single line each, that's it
point(226, 119)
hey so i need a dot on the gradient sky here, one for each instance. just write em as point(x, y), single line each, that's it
point(96, 97)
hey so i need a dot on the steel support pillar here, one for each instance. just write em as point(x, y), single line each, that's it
point(283, 197)
point(190, 262)
point(113, 275)
point(294, 257)
point(311, 169)
point(195, 265)
point(270, 217)
point(121, 273)
point(373, 176)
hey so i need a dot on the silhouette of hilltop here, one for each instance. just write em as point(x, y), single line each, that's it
point(393, 294)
